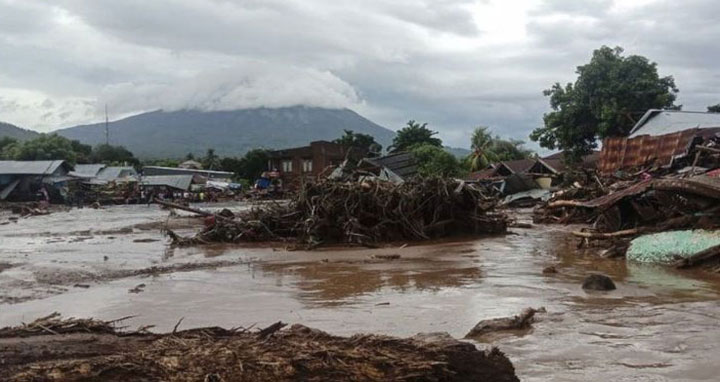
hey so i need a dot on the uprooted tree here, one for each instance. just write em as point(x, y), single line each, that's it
point(610, 94)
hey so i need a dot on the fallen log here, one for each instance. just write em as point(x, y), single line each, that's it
point(608, 235)
point(521, 321)
point(189, 209)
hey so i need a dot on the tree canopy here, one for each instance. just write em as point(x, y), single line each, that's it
point(487, 149)
point(414, 134)
point(435, 161)
point(112, 155)
point(611, 92)
point(250, 166)
point(44, 147)
point(714, 108)
point(361, 141)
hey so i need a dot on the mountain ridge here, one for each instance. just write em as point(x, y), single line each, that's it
point(161, 134)
point(12, 131)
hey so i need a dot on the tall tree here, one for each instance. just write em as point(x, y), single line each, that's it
point(414, 134)
point(361, 141)
point(435, 161)
point(481, 142)
point(211, 161)
point(610, 93)
point(112, 155)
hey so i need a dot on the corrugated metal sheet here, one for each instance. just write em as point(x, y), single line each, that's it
point(518, 166)
point(113, 173)
point(181, 182)
point(87, 170)
point(662, 122)
point(157, 170)
point(619, 152)
point(402, 164)
point(38, 167)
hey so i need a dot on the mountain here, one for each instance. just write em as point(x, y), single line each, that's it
point(12, 131)
point(161, 134)
point(458, 152)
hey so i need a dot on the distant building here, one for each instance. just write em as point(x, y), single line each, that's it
point(22, 180)
point(659, 137)
point(306, 162)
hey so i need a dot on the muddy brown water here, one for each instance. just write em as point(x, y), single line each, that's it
point(659, 325)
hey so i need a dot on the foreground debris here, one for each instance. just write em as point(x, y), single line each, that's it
point(644, 204)
point(215, 354)
point(365, 213)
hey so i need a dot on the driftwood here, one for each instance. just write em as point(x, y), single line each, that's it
point(364, 213)
point(607, 235)
point(522, 321)
point(215, 354)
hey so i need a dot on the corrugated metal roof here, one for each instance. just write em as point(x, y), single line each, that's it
point(619, 152)
point(181, 182)
point(88, 170)
point(660, 122)
point(519, 165)
point(37, 167)
point(112, 173)
point(402, 164)
point(158, 170)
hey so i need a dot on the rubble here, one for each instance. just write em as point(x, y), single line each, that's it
point(96, 351)
point(364, 213)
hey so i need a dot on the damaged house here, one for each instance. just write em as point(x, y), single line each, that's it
point(659, 138)
point(307, 162)
point(26, 180)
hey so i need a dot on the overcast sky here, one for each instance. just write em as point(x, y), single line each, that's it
point(455, 64)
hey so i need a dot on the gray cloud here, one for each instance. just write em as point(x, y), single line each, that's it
point(453, 63)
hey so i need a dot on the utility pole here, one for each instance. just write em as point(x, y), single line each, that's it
point(107, 128)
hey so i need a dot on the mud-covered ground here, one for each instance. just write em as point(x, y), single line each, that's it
point(659, 325)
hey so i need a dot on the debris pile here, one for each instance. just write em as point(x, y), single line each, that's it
point(365, 213)
point(649, 201)
point(273, 354)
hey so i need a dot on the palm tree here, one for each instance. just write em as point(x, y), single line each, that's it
point(481, 143)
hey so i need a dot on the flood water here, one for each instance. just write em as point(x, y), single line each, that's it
point(659, 325)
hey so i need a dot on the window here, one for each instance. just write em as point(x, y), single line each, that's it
point(307, 165)
point(287, 166)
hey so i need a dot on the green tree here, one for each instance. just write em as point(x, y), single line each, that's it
point(361, 141)
point(481, 143)
point(414, 134)
point(211, 161)
point(611, 91)
point(189, 156)
point(112, 155)
point(44, 147)
point(255, 162)
point(6, 142)
point(512, 149)
point(434, 161)
point(714, 108)
point(82, 151)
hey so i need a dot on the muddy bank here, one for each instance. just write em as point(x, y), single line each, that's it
point(50, 349)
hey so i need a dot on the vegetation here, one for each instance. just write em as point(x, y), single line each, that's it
point(414, 134)
point(435, 161)
point(610, 93)
point(249, 167)
point(112, 155)
point(487, 149)
point(714, 108)
point(364, 142)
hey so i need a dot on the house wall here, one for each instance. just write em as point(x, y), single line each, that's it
point(320, 154)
